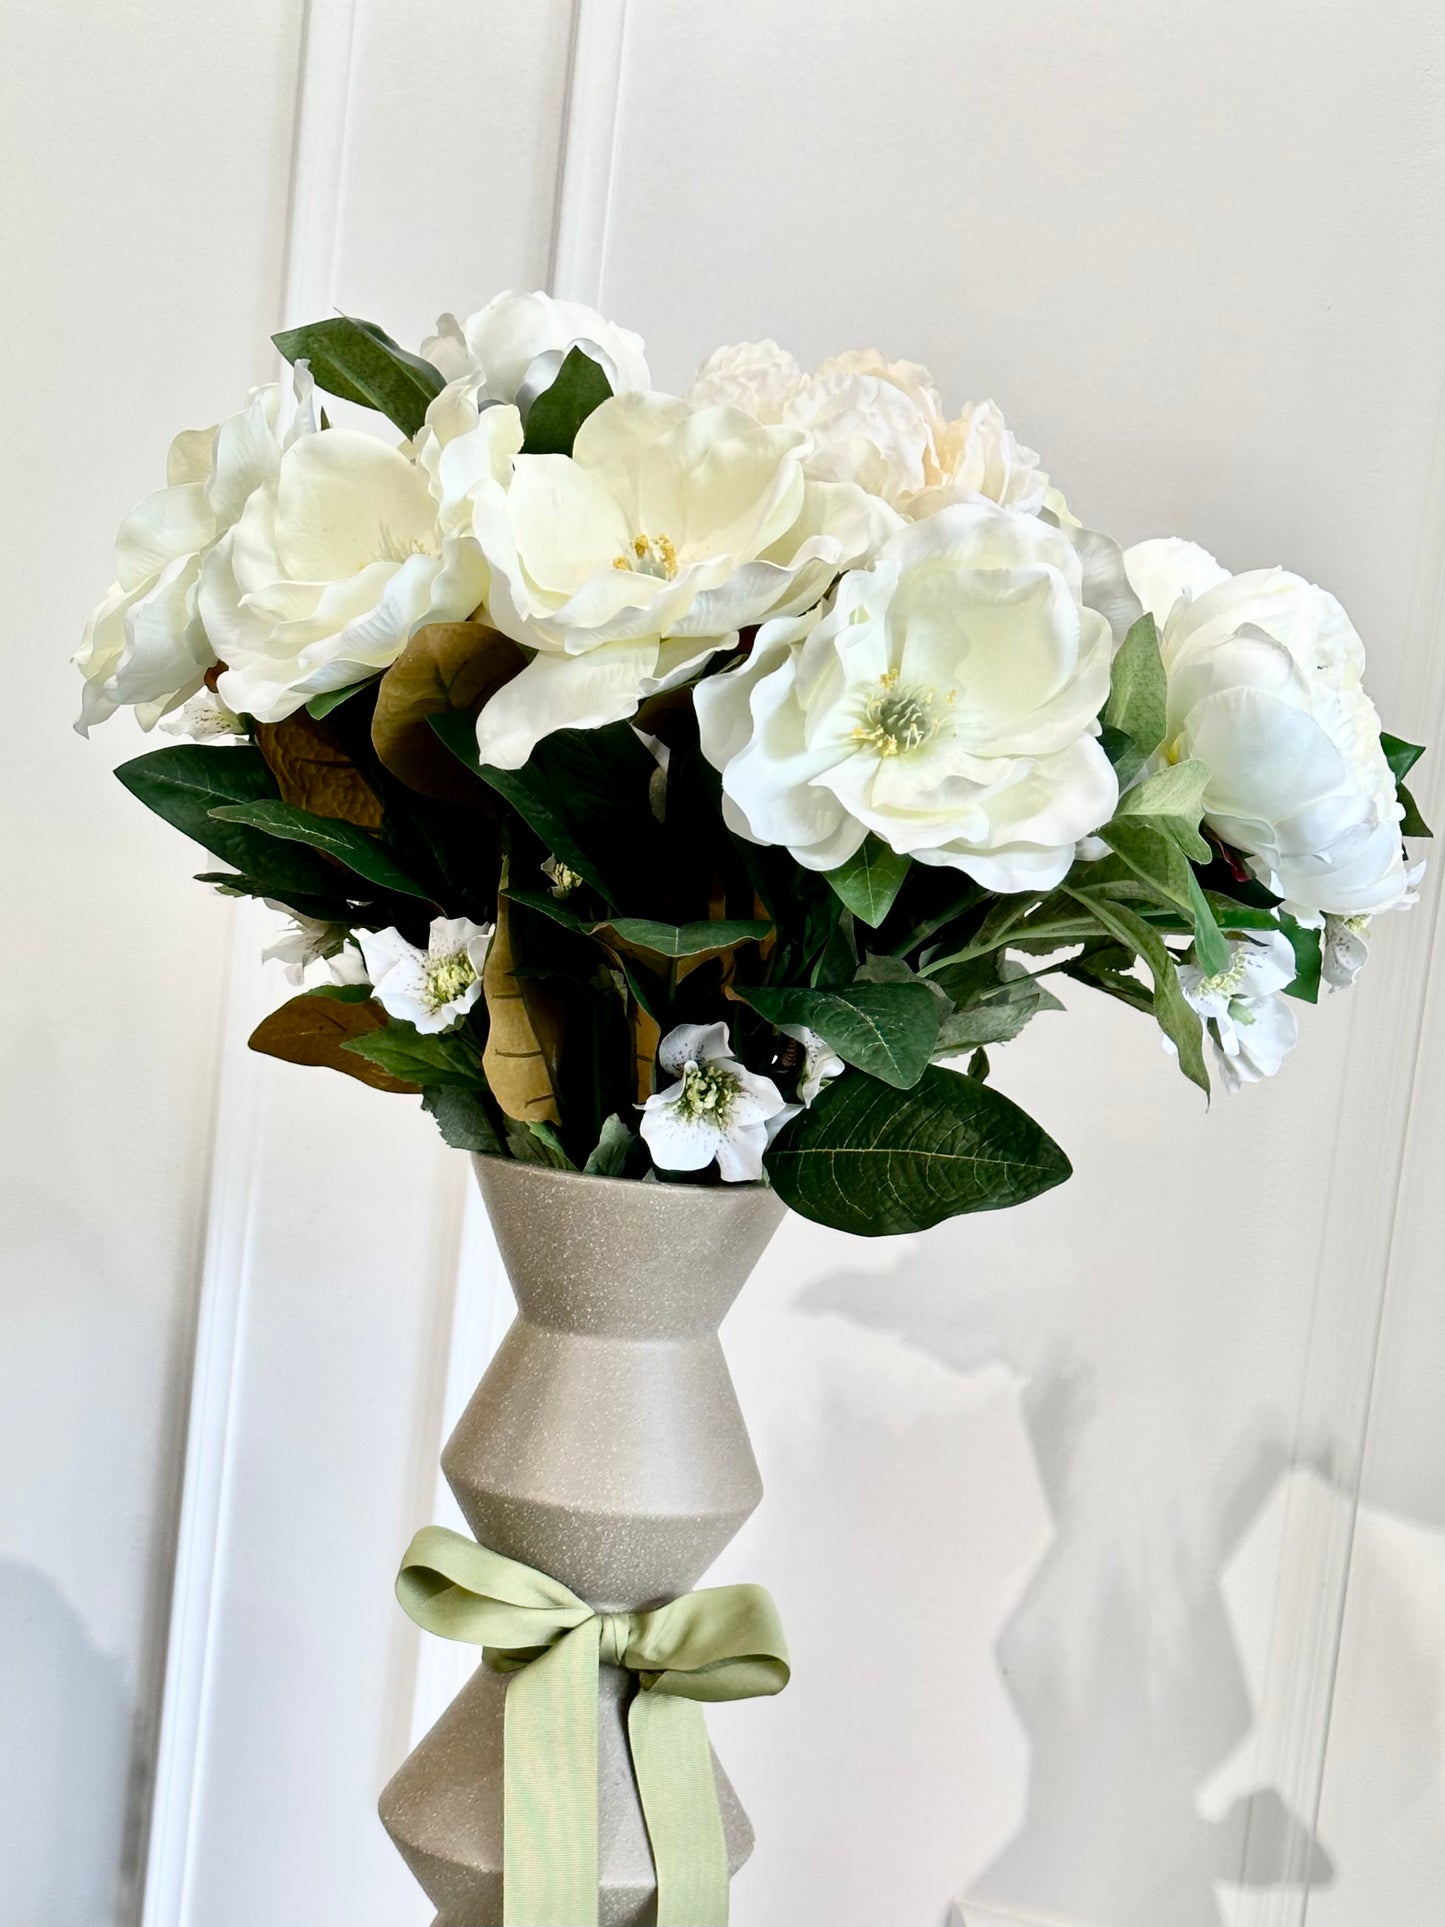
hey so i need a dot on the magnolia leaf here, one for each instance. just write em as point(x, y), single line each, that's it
point(559, 411)
point(1136, 709)
point(646, 1041)
point(314, 772)
point(446, 666)
point(185, 783)
point(463, 1119)
point(353, 847)
point(359, 362)
point(1174, 1014)
point(888, 1030)
point(425, 1059)
point(609, 1157)
point(313, 1029)
point(524, 1034)
point(637, 936)
point(869, 882)
point(871, 1159)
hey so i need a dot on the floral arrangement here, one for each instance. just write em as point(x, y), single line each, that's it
point(699, 789)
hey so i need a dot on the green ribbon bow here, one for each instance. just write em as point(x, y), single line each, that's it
point(724, 1643)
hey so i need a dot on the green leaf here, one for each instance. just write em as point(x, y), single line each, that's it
point(537, 1143)
point(559, 411)
point(870, 880)
point(888, 1030)
point(1175, 1016)
point(1411, 823)
point(978, 1066)
point(342, 993)
point(1150, 846)
point(609, 1157)
point(349, 845)
point(1136, 707)
point(1308, 959)
point(868, 1158)
point(1400, 755)
point(184, 784)
point(686, 939)
point(1176, 790)
point(995, 1014)
point(358, 361)
point(450, 1057)
point(321, 706)
point(463, 1119)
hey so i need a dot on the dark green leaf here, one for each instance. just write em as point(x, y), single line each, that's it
point(463, 1119)
point(356, 360)
point(683, 940)
point(184, 784)
point(321, 706)
point(871, 1159)
point(978, 1066)
point(537, 1143)
point(448, 1058)
point(329, 909)
point(888, 1030)
point(1400, 755)
point(559, 411)
point(1412, 823)
point(609, 1157)
point(1308, 959)
point(353, 847)
point(1136, 705)
point(870, 880)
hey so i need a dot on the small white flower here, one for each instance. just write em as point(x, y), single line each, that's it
point(429, 989)
point(1252, 1027)
point(820, 1061)
point(203, 718)
point(562, 879)
point(717, 1109)
point(305, 940)
point(1344, 949)
point(348, 966)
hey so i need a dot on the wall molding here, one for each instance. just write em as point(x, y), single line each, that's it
point(314, 207)
point(590, 113)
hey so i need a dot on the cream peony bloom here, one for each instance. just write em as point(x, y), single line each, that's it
point(977, 458)
point(333, 565)
point(1265, 689)
point(146, 645)
point(947, 701)
point(511, 349)
point(758, 377)
point(628, 563)
point(1251, 1026)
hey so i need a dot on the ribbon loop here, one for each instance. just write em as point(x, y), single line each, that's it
point(723, 1643)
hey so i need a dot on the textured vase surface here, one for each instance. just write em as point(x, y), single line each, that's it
point(605, 1447)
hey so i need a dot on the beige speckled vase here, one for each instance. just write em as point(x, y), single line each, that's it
point(604, 1446)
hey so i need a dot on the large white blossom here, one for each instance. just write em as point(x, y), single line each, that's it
point(430, 989)
point(716, 1111)
point(512, 348)
point(146, 646)
point(336, 560)
point(1265, 690)
point(947, 700)
point(626, 564)
point(1251, 1025)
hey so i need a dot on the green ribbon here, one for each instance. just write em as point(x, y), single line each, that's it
point(724, 1643)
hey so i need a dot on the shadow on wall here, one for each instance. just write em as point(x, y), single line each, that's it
point(1120, 1657)
point(65, 1758)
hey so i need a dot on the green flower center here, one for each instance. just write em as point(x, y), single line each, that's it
point(1224, 983)
point(448, 977)
point(707, 1092)
point(897, 717)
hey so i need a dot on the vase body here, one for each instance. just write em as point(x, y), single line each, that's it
point(605, 1447)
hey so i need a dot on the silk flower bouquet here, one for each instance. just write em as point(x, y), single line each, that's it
point(696, 791)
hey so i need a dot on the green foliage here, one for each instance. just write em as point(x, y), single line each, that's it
point(465, 1118)
point(449, 1057)
point(1178, 1020)
point(610, 1155)
point(559, 411)
point(320, 707)
point(359, 362)
point(357, 849)
point(871, 1159)
point(869, 882)
point(1134, 716)
point(887, 1030)
point(1402, 758)
point(1308, 959)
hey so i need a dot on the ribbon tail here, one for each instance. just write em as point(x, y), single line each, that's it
point(673, 1763)
point(549, 1875)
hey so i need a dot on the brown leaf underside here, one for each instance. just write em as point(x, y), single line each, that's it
point(523, 1034)
point(445, 666)
point(312, 1030)
point(314, 772)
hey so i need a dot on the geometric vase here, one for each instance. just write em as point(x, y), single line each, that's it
point(605, 1447)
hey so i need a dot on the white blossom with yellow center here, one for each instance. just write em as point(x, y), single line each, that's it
point(1250, 1024)
point(716, 1111)
point(430, 989)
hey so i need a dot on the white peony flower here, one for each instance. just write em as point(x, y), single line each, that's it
point(1344, 950)
point(758, 377)
point(511, 349)
point(335, 562)
point(304, 941)
point(146, 646)
point(821, 1063)
point(430, 989)
point(716, 1110)
point(203, 718)
point(947, 700)
point(1265, 689)
point(628, 563)
point(870, 421)
point(977, 458)
point(1251, 1026)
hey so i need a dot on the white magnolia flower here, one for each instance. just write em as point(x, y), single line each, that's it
point(947, 700)
point(203, 718)
point(628, 563)
point(1252, 1027)
point(717, 1109)
point(1265, 689)
point(821, 1063)
point(304, 941)
point(335, 562)
point(512, 348)
point(430, 989)
point(1344, 950)
point(146, 645)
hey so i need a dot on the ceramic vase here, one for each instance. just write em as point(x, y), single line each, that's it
point(604, 1446)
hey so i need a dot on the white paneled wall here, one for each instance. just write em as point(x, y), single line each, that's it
point(1093, 1463)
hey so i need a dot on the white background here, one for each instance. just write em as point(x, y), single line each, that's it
point(1061, 1503)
